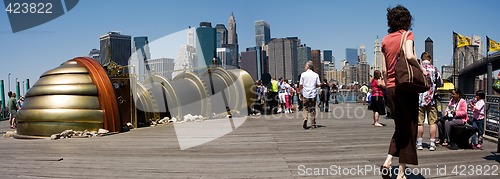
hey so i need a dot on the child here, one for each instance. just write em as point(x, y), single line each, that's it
point(478, 119)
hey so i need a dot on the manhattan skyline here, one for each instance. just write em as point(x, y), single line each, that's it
point(322, 25)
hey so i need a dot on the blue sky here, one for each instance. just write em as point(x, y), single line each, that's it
point(320, 24)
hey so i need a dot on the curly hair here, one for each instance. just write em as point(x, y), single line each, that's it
point(398, 18)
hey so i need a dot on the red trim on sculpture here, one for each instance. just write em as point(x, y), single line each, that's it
point(106, 93)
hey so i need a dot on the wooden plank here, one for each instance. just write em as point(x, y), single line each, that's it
point(264, 146)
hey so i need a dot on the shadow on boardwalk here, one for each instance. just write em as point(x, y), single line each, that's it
point(347, 146)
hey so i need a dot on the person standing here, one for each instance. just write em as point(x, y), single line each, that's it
point(282, 95)
point(377, 97)
point(13, 107)
point(364, 90)
point(324, 96)
point(427, 103)
point(299, 97)
point(309, 81)
point(478, 118)
point(273, 93)
point(403, 104)
point(334, 90)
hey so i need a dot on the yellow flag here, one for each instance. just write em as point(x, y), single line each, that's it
point(463, 41)
point(494, 46)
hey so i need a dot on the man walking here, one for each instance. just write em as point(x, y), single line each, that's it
point(309, 81)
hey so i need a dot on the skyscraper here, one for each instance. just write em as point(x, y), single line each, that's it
point(283, 57)
point(222, 54)
point(94, 54)
point(142, 44)
point(186, 57)
point(141, 49)
point(232, 56)
point(232, 43)
point(252, 61)
point(190, 35)
point(115, 47)
point(327, 56)
point(429, 47)
point(262, 33)
point(303, 55)
point(161, 66)
point(362, 53)
point(363, 67)
point(249, 63)
point(221, 35)
point(351, 55)
point(232, 37)
point(205, 49)
point(377, 57)
point(318, 66)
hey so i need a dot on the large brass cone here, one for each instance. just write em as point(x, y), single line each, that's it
point(64, 98)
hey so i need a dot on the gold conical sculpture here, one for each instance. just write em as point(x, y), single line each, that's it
point(76, 95)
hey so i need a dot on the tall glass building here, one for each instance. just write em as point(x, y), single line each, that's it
point(206, 44)
point(142, 44)
point(351, 55)
point(262, 33)
point(115, 47)
point(141, 50)
point(327, 55)
point(303, 55)
point(221, 35)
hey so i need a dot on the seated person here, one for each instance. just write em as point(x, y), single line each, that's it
point(455, 114)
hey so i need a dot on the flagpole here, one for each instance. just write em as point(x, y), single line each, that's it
point(454, 57)
point(489, 83)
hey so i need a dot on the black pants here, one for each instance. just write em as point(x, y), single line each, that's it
point(404, 108)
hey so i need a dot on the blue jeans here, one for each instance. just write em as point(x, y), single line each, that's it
point(480, 130)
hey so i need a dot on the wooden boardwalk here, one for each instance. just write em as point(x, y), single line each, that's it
point(276, 146)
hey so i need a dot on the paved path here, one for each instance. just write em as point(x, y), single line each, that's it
point(263, 146)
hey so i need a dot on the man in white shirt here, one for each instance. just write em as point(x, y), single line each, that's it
point(309, 81)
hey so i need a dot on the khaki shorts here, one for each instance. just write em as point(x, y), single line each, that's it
point(431, 111)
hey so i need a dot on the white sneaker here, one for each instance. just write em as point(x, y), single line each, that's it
point(419, 147)
point(432, 147)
